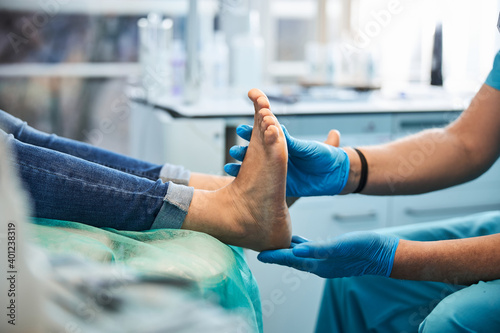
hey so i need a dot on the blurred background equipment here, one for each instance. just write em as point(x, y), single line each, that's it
point(166, 80)
point(64, 67)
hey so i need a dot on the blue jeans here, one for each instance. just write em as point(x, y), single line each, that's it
point(74, 181)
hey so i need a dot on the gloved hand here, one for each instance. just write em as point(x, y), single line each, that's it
point(314, 168)
point(351, 254)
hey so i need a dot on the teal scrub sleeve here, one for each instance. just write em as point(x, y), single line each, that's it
point(493, 79)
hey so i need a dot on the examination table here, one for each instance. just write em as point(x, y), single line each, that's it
point(214, 271)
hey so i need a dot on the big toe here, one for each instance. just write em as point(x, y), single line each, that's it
point(259, 99)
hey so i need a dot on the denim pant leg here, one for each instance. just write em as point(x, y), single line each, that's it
point(24, 133)
point(68, 188)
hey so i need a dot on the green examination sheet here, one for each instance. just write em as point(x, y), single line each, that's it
point(218, 272)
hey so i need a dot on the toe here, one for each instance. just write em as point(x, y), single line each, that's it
point(271, 135)
point(265, 112)
point(254, 93)
point(263, 102)
point(268, 121)
point(259, 99)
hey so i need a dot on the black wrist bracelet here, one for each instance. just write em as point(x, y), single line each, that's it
point(364, 171)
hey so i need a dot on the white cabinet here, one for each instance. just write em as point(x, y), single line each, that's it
point(454, 202)
point(323, 217)
point(291, 299)
point(198, 145)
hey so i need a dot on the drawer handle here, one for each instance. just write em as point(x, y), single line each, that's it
point(369, 215)
point(450, 210)
point(406, 125)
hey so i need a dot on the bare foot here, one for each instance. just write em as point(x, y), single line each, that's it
point(251, 211)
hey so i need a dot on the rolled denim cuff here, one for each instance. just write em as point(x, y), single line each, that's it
point(175, 173)
point(175, 207)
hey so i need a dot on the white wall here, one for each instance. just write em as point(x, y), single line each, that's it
point(403, 42)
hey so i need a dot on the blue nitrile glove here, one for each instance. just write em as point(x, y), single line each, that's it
point(351, 254)
point(314, 168)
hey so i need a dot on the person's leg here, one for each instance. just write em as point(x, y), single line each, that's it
point(472, 309)
point(378, 304)
point(249, 212)
point(24, 133)
point(68, 188)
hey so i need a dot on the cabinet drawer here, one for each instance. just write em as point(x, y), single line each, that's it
point(319, 126)
point(323, 217)
point(409, 123)
point(444, 204)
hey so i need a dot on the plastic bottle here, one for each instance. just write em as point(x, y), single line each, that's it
point(178, 68)
point(220, 79)
point(247, 57)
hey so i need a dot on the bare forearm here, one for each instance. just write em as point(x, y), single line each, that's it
point(424, 162)
point(458, 261)
point(437, 158)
